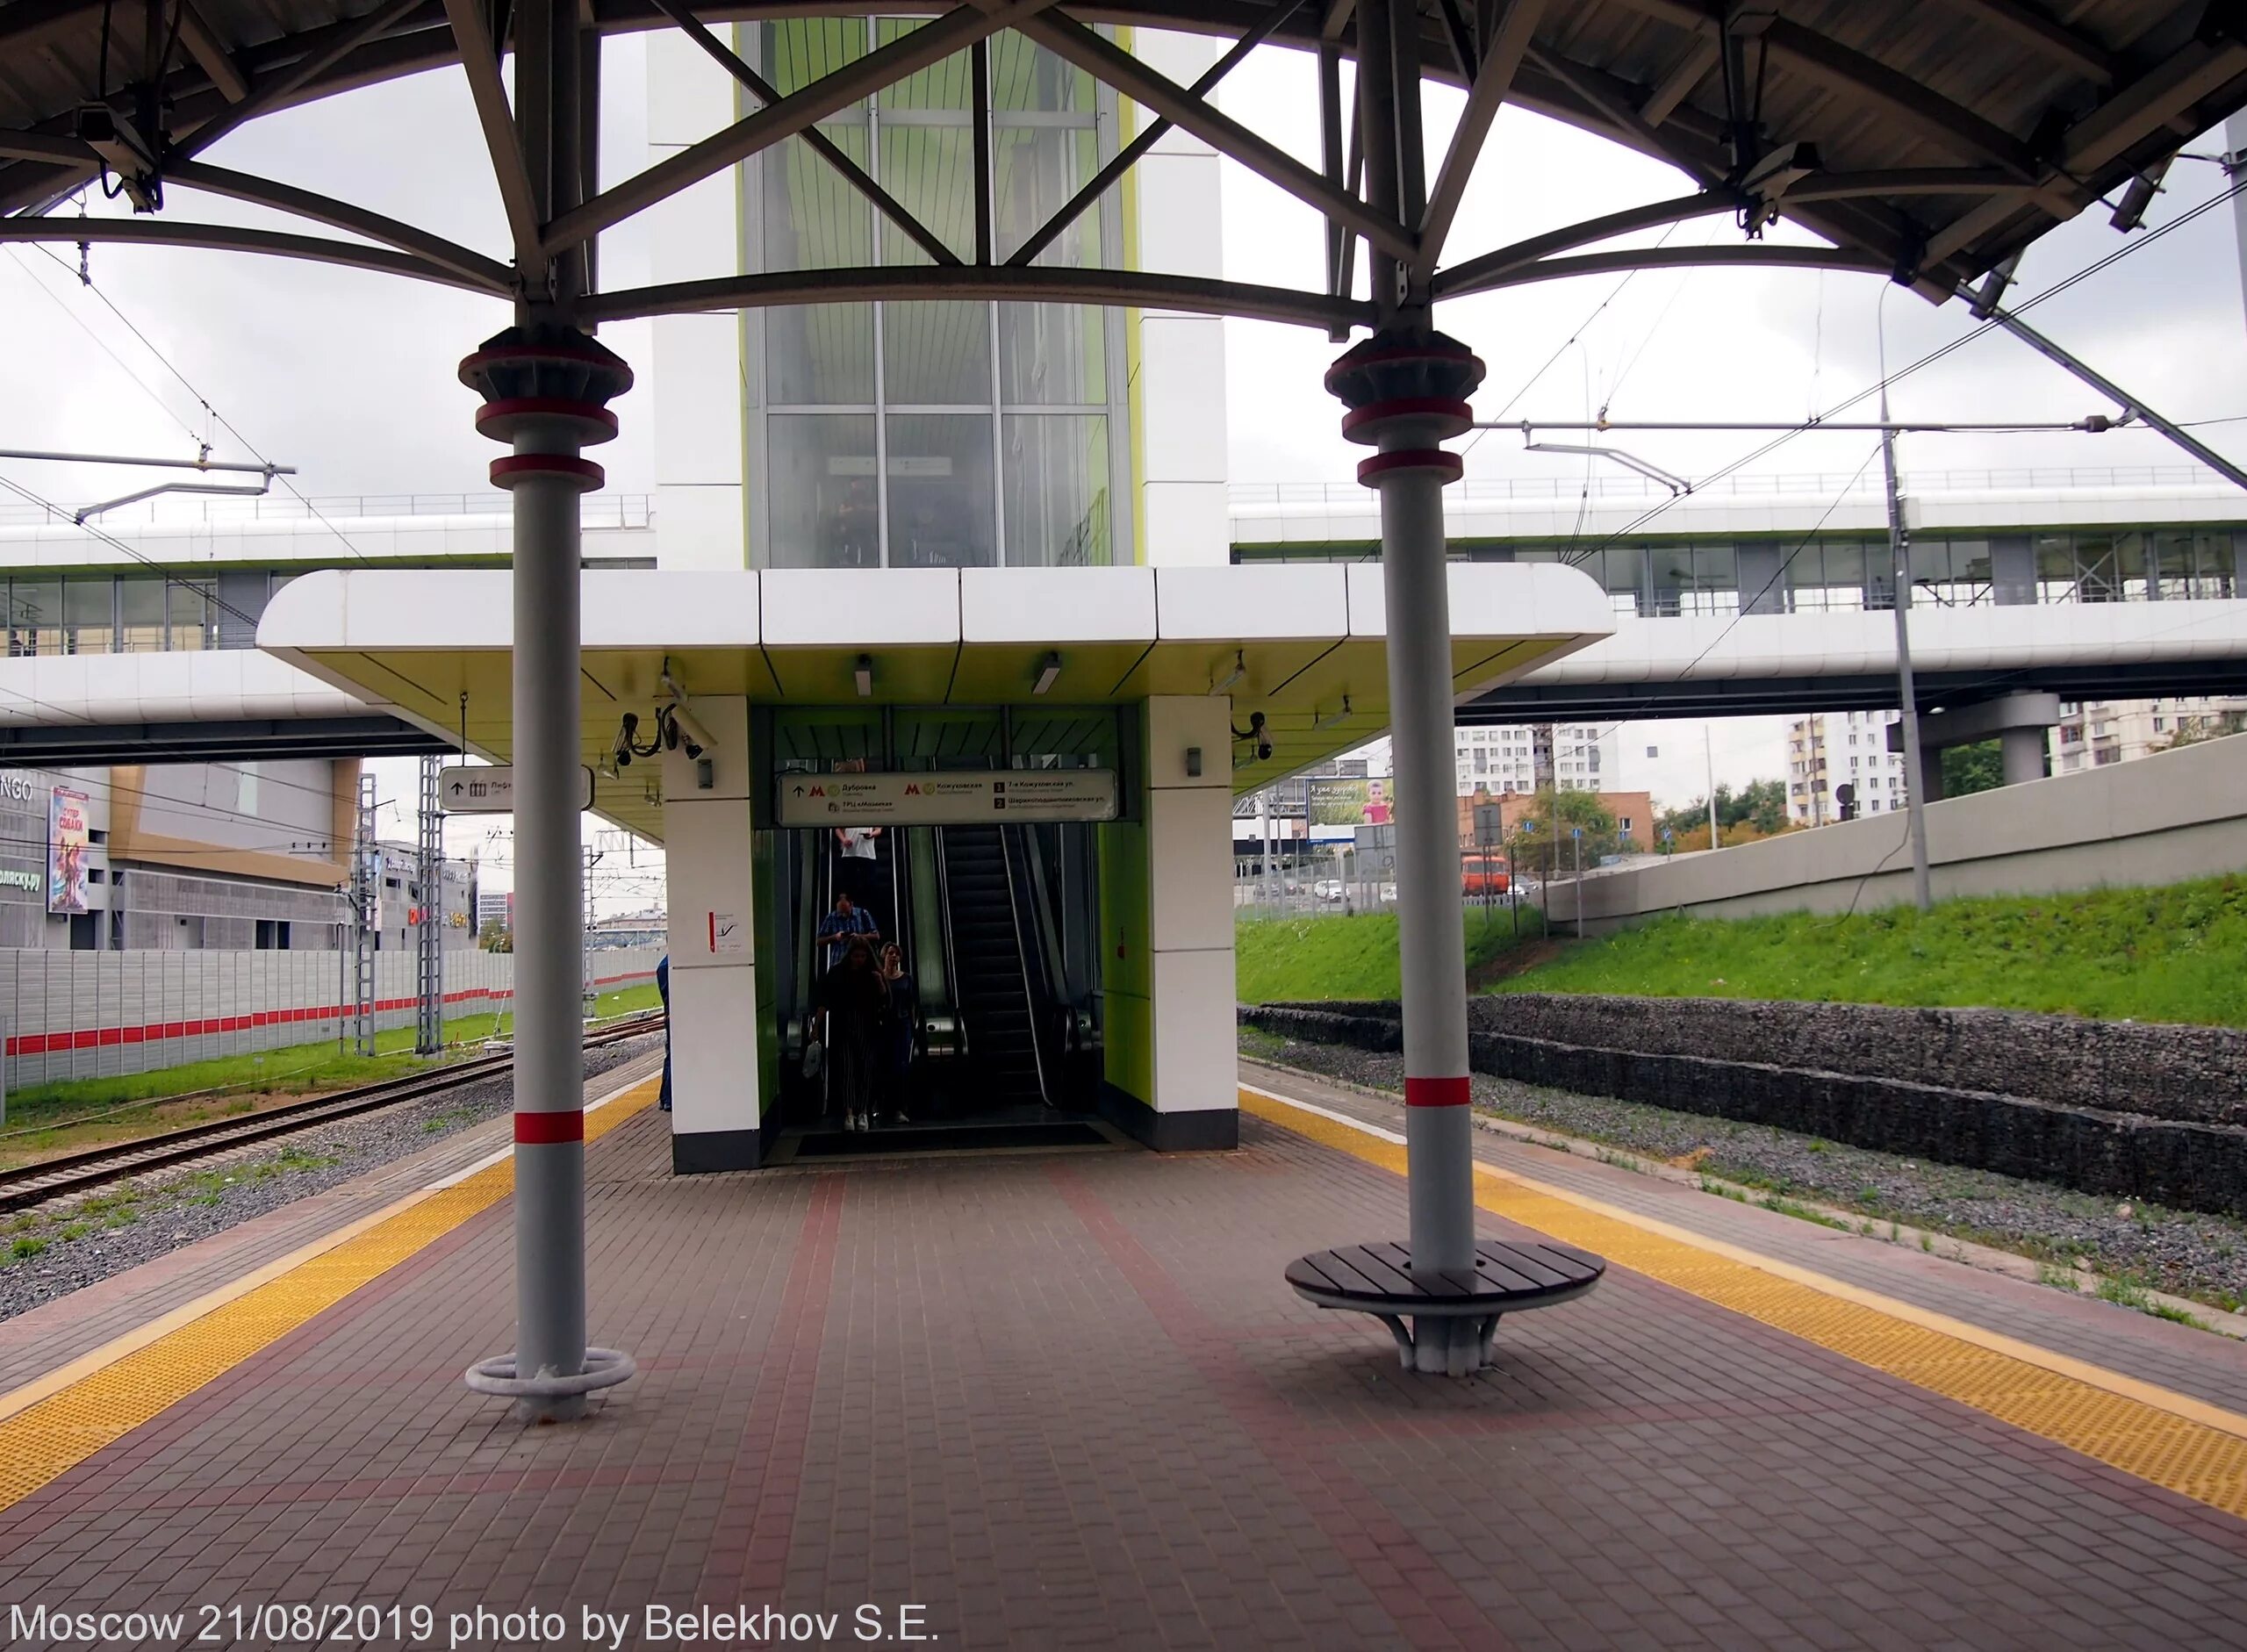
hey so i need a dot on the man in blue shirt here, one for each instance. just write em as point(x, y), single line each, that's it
point(839, 927)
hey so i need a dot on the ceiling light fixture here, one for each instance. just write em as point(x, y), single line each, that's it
point(1334, 718)
point(863, 674)
point(1049, 669)
point(1239, 670)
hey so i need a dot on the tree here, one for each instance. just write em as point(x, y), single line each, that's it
point(494, 938)
point(1979, 767)
point(1759, 804)
point(2191, 731)
point(1542, 843)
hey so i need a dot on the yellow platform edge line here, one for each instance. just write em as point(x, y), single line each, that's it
point(2174, 1441)
point(50, 1426)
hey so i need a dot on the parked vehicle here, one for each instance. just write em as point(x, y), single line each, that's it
point(1481, 878)
point(1327, 889)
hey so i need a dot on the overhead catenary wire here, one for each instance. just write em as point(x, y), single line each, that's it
point(204, 403)
point(2124, 251)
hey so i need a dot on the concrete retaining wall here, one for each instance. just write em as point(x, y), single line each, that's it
point(2112, 1107)
point(88, 1014)
point(2162, 819)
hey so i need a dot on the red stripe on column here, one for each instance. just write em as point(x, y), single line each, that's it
point(543, 1129)
point(1435, 1092)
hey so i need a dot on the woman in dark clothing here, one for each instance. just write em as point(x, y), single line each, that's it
point(901, 1031)
point(853, 1003)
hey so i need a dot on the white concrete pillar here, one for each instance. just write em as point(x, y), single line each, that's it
point(1196, 1096)
point(1181, 365)
point(696, 372)
point(716, 1028)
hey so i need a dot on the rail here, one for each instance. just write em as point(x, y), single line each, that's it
point(71, 1174)
point(600, 510)
point(1248, 496)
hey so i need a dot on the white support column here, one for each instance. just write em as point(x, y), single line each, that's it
point(1182, 378)
point(697, 370)
point(708, 873)
point(1189, 845)
point(547, 388)
point(1407, 393)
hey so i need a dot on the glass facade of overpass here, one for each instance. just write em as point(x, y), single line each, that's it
point(135, 613)
point(1848, 571)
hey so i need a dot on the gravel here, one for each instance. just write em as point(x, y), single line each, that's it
point(128, 1223)
point(2184, 1253)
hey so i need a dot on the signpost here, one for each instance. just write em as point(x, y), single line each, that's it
point(948, 798)
point(1577, 832)
point(491, 790)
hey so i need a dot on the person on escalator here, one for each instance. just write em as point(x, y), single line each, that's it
point(858, 865)
point(849, 922)
point(901, 1029)
point(853, 1006)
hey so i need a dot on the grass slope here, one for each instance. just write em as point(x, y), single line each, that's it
point(2173, 954)
point(1276, 960)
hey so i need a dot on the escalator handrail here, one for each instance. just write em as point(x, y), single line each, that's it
point(1021, 956)
point(951, 959)
point(1052, 962)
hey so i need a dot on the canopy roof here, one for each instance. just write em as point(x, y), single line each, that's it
point(1305, 647)
point(1928, 139)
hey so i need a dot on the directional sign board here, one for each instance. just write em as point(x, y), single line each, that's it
point(492, 791)
point(947, 799)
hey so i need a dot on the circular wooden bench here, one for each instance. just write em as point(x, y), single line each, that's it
point(1507, 1278)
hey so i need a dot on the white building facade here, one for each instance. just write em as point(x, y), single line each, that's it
point(1502, 759)
point(1829, 749)
point(2095, 732)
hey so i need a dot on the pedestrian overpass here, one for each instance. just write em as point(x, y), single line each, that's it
point(1768, 594)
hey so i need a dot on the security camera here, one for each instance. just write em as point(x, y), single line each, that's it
point(684, 731)
point(622, 752)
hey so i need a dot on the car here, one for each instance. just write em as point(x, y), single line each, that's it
point(1327, 889)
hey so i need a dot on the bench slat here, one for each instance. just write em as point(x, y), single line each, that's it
point(1391, 1273)
point(1534, 1271)
point(1349, 1277)
point(1400, 1258)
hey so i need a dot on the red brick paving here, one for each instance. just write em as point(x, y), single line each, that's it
point(1066, 1401)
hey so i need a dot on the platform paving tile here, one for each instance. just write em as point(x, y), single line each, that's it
point(1064, 1400)
point(2179, 1357)
point(51, 1335)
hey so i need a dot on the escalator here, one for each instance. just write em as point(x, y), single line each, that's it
point(996, 1006)
point(1007, 1056)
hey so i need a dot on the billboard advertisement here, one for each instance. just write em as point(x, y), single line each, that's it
point(66, 836)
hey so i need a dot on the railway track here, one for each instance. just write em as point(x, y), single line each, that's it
point(80, 1172)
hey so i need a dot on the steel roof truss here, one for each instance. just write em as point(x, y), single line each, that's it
point(820, 144)
point(861, 77)
point(233, 238)
point(1118, 68)
point(488, 273)
point(479, 58)
point(1124, 158)
point(1491, 80)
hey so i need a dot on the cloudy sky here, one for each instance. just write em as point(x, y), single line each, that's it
point(349, 377)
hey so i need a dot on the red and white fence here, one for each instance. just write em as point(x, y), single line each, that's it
point(87, 1014)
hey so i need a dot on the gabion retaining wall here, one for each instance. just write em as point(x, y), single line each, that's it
point(2141, 1110)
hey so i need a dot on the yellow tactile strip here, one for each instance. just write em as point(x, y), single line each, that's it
point(2181, 1444)
point(42, 1441)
